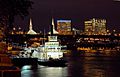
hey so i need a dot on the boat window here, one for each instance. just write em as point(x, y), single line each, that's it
point(49, 56)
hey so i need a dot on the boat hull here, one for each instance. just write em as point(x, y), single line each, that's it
point(53, 63)
point(25, 61)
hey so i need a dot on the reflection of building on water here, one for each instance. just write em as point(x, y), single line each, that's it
point(101, 51)
point(95, 64)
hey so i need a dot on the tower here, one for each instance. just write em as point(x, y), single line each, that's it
point(53, 31)
point(30, 26)
point(31, 31)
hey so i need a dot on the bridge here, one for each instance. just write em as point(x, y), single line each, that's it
point(74, 40)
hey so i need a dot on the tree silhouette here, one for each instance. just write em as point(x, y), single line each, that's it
point(11, 8)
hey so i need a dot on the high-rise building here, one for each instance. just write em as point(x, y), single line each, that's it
point(95, 27)
point(88, 27)
point(64, 27)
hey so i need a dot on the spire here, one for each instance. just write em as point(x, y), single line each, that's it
point(30, 26)
point(31, 31)
point(53, 24)
point(53, 31)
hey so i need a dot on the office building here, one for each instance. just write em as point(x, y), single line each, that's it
point(95, 27)
point(64, 27)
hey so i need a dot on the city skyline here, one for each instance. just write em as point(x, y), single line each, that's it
point(77, 11)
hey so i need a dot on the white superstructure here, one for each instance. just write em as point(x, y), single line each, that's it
point(51, 49)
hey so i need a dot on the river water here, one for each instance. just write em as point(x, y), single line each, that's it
point(78, 67)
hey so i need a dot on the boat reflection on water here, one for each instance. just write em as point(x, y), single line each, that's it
point(80, 66)
point(44, 71)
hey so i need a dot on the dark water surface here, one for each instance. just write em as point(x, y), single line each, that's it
point(78, 67)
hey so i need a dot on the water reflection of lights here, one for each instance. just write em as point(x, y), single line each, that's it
point(26, 71)
point(94, 68)
point(53, 72)
point(26, 67)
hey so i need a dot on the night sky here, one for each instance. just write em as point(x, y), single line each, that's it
point(76, 10)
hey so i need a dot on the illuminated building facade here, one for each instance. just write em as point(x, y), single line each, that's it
point(88, 27)
point(95, 27)
point(64, 27)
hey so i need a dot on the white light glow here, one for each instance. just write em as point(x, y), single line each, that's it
point(55, 54)
point(116, 0)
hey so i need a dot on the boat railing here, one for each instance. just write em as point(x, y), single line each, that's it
point(43, 60)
